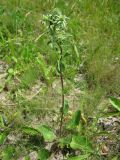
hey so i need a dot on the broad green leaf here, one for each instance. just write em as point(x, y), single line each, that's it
point(2, 138)
point(74, 122)
point(43, 154)
point(81, 157)
point(115, 103)
point(8, 153)
point(30, 130)
point(47, 132)
point(81, 142)
point(66, 107)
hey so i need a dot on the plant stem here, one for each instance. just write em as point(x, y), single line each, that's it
point(62, 88)
point(63, 100)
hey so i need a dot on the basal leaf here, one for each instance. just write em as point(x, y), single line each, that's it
point(47, 132)
point(30, 130)
point(81, 142)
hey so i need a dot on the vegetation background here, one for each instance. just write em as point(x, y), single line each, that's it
point(29, 82)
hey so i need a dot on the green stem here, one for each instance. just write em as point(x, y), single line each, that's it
point(62, 88)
